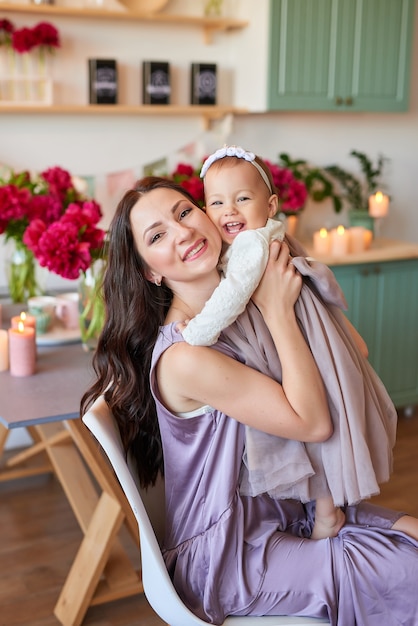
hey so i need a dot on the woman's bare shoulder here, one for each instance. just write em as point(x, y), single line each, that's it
point(182, 373)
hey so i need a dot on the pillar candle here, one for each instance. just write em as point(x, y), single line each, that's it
point(378, 205)
point(339, 241)
point(4, 351)
point(368, 236)
point(22, 350)
point(357, 236)
point(321, 241)
point(26, 318)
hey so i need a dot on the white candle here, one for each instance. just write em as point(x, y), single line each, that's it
point(378, 205)
point(321, 241)
point(357, 236)
point(4, 350)
point(22, 350)
point(339, 241)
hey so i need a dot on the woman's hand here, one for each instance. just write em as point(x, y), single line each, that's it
point(280, 285)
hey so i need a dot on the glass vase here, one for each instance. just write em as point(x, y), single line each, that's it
point(361, 217)
point(213, 8)
point(92, 308)
point(24, 275)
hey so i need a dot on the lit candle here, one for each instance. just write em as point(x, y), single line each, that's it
point(378, 205)
point(22, 350)
point(339, 241)
point(321, 241)
point(368, 236)
point(25, 318)
point(357, 238)
point(4, 351)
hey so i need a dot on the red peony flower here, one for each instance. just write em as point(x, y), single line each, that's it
point(60, 250)
point(59, 181)
point(6, 26)
point(189, 178)
point(194, 186)
point(6, 31)
point(46, 207)
point(23, 40)
point(292, 193)
point(33, 233)
point(183, 169)
point(68, 245)
point(46, 35)
point(14, 203)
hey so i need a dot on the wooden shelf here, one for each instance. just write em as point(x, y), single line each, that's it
point(208, 113)
point(208, 25)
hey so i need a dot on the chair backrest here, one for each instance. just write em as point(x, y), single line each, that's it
point(148, 508)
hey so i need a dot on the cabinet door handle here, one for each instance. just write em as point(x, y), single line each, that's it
point(338, 101)
point(377, 270)
point(364, 272)
point(349, 101)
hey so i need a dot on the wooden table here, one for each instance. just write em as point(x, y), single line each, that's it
point(47, 404)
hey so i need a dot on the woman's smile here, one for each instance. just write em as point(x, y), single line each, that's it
point(196, 250)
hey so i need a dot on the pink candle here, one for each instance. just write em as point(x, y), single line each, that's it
point(357, 238)
point(26, 318)
point(368, 236)
point(378, 204)
point(4, 351)
point(22, 350)
point(321, 241)
point(339, 241)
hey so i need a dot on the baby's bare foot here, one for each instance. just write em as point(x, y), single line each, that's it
point(328, 525)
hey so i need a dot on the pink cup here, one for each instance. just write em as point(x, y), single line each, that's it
point(67, 309)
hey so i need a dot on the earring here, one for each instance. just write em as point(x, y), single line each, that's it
point(157, 282)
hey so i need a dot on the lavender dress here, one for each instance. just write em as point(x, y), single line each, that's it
point(230, 554)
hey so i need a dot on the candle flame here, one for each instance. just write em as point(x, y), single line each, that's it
point(379, 196)
point(23, 316)
point(21, 327)
point(323, 233)
point(340, 230)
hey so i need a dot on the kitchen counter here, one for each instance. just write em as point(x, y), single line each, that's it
point(380, 250)
point(380, 286)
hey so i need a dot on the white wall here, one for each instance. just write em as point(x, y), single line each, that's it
point(88, 145)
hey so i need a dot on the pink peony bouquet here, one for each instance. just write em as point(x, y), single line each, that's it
point(51, 217)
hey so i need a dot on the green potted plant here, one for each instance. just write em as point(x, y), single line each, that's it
point(356, 192)
point(318, 183)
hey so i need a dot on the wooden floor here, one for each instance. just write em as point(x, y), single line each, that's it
point(39, 538)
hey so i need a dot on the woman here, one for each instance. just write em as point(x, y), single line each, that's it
point(230, 554)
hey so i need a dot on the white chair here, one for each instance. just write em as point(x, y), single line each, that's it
point(158, 587)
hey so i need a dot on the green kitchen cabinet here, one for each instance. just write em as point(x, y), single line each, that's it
point(382, 302)
point(340, 55)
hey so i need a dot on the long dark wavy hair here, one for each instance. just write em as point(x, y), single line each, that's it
point(135, 309)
